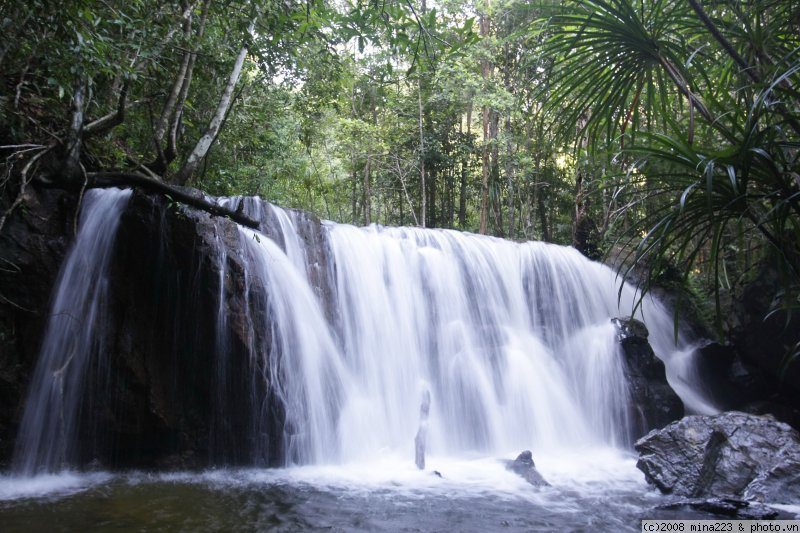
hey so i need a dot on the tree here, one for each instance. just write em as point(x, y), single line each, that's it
point(703, 140)
point(78, 61)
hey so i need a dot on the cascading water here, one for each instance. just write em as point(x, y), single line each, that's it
point(512, 343)
point(74, 336)
point(313, 346)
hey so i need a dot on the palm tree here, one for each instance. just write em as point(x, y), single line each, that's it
point(698, 112)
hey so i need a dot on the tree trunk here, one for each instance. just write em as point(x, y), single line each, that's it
point(74, 142)
point(353, 197)
point(172, 99)
point(494, 173)
point(367, 192)
point(485, 73)
point(205, 142)
point(462, 198)
point(172, 141)
point(423, 213)
point(543, 219)
point(184, 196)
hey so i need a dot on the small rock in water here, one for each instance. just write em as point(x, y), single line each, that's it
point(524, 466)
point(438, 474)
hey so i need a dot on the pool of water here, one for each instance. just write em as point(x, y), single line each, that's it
point(593, 490)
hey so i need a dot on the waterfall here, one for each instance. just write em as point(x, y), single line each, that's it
point(513, 341)
point(346, 328)
point(74, 336)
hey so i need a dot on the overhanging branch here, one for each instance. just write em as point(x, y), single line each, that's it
point(134, 179)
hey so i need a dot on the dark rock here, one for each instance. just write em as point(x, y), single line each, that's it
point(732, 455)
point(166, 394)
point(726, 379)
point(630, 329)
point(766, 341)
point(524, 466)
point(651, 398)
point(777, 410)
point(33, 243)
point(725, 507)
point(780, 483)
point(739, 385)
point(182, 401)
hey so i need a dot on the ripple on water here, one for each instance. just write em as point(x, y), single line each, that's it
point(595, 489)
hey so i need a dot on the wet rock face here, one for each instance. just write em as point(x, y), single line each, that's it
point(748, 385)
point(175, 389)
point(33, 244)
point(183, 385)
point(732, 455)
point(652, 401)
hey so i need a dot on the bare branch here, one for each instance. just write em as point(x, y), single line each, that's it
point(113, 119)
point(205, 142)
point(172, 140)
point(23, 146)
point(24, 180)
point(135, 179)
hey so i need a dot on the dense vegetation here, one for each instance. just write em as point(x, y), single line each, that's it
point(665, 129)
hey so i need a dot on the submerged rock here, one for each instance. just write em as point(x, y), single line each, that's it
point(732, 455)
point(652, 400)
point(524, 466)
point(727, 507)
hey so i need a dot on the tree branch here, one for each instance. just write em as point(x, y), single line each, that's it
point(120, 178)
point(172, 140)
point(739, 60)
point(113, 119)
point(24, 180)
point(204, 143)
point(74, 141)
point(169, 105)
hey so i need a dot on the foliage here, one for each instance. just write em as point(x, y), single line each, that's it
point(602, 123)
point(707, 151)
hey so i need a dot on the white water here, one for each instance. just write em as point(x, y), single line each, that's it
point(47, 439)
point(513, 342)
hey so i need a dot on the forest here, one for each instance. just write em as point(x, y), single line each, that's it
point(665, 132)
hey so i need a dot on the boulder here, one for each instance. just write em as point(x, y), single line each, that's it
point(732, 455)
point(652, 400)
point(524, 466)
point(780, 483)
point(183, 378)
